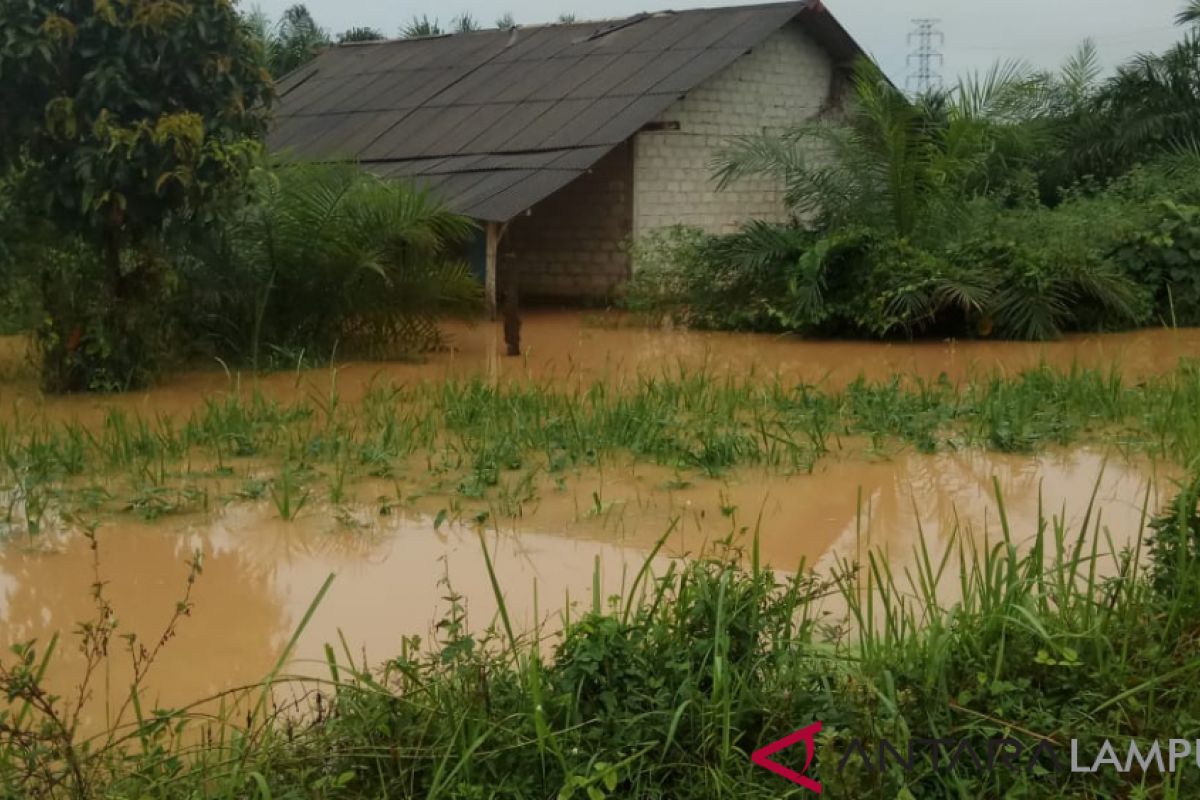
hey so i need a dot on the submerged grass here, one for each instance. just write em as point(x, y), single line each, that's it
point(663, 691)
point(468, 433)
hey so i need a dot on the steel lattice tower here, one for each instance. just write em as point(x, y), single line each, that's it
point(926, 41)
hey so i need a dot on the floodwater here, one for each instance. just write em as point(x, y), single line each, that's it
point(394, 572)
point(565, 346)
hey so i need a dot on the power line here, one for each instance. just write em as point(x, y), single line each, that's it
point(927, 56)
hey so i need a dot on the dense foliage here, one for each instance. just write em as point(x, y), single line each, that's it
point(1016, 204)
point(140, 227)
point(322, 258)
point(123, 118)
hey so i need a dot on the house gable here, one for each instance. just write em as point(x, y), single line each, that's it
point(787, 80)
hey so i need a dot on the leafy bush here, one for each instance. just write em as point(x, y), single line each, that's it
point(18, 295)
point(1044, 271)
point(83, 346)
point(1021, 273)
point(126, 119)
point(709, 281)
point(669, 274)
point(18, 305)
point(55, 286)
point(325, 258)
point(1165, 258)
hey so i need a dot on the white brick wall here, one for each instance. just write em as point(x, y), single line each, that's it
point(571, 246)
point(784, 81)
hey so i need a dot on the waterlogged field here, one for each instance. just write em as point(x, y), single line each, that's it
point(617, 482)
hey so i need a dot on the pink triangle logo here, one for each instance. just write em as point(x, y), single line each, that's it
point(762, 756)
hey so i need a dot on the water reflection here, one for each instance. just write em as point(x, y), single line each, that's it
point(260, 573)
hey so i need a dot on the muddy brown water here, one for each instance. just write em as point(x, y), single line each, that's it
point(572, 346)
point(394, 573)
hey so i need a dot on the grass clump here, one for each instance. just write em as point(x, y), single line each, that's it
point(471, 437)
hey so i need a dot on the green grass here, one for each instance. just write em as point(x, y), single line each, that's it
point(663, 691)
point(478, 440)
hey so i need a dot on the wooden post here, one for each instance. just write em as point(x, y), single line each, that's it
point(489, 281)
point(510, 308)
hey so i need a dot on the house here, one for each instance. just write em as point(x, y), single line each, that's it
point(565, 140)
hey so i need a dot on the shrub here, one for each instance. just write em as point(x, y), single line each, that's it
point(326, 258)
point(18, 290)
point(1174, 545)
point(1014, 273)
point(84, 346)
point(1165, 258)
point(707, 281)
point(1030, 290)
point(667, 267)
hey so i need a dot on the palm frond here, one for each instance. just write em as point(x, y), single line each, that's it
point(1081, 71)
point(761, 244)
point(327, 254)
point(1108, 286)
point(782, 157)
point(1034, 313)
point(1190, 15)
point(969, 291)
point(1001, 92)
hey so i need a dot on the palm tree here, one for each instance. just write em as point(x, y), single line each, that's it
point(898, 163)
point(420, 27)
point(464, 23)
point(1150, 109)
point(1152, 105)
point(886, 194)
point(329, 257)
point(360, 34)
point(295, 40)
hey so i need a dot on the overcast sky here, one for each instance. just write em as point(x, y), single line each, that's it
point(977, 32)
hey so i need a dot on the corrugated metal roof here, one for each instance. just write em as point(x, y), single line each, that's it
point(496, 120)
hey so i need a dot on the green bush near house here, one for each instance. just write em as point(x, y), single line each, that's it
point(1030, 273)
point(324, 259)
point(1016, 204)
point(712, 282)
point(1103, 258)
